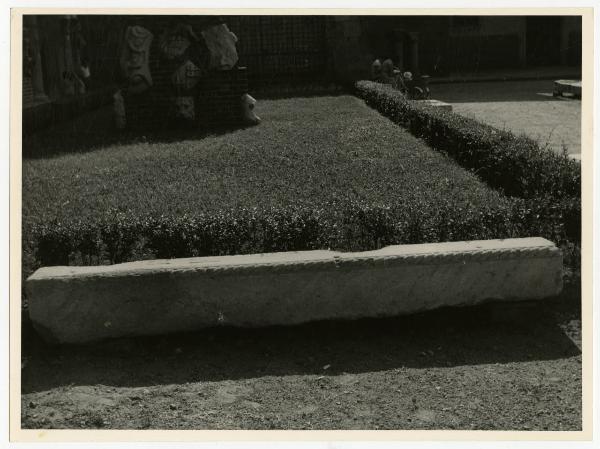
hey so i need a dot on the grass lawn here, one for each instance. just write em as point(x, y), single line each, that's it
point(318, 153)
point(307, 150)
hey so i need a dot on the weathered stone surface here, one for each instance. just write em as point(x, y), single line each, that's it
point(135, 58)
point(437, 104)
point(221, 44)
point(82, 304)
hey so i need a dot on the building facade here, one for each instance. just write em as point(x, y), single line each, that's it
point(445, 45)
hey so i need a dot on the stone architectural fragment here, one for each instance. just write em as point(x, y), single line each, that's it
point(135, 57)
point(248, 103)
point(186, 76)
point(221, 44)
point(83, 304)
point(119, 110)
point(184, 108)
point(387, 71)
point(175, 42)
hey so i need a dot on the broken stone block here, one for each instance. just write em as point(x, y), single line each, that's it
point(84, 304)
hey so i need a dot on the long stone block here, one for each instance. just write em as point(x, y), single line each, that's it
point(83, 304)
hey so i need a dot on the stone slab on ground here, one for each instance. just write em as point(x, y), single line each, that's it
point(437, 104)
point(572, 87)
point(84, 304)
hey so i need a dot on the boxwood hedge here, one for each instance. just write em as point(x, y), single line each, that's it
point(517, 165)
point(305, 179)
point(353, 226)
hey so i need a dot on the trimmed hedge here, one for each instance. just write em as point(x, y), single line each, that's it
point(516, 165)
point(355, 226)
point(351, 184)
point(299, 173)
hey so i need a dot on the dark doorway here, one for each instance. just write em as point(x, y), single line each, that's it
point(543, 40)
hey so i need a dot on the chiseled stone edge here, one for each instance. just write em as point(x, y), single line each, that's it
point(328, 260)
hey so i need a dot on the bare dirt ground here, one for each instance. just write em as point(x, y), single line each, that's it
point(523, 107)
point(472, 368)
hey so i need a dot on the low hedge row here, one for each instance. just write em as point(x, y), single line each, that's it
point(516, 165)
point(377, 186)
point(355, 226)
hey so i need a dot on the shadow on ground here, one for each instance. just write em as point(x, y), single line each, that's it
point(96, 130)
point(442, 338)
point(497, 91)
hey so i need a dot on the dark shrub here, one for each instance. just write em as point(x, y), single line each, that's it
point(350, 181)
point(54, 242)
point(517, 165)
point(345, 226)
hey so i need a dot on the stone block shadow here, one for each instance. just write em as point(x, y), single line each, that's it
point(442, 338)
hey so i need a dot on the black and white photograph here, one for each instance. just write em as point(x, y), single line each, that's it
point(302, 221)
